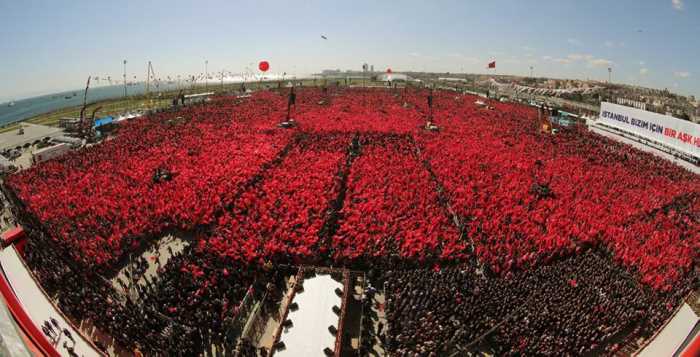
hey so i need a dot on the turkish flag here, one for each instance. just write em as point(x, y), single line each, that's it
point(492, 64)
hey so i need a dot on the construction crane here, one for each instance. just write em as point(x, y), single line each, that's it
point(150, 73)
point(82, 110)
point(85, 127)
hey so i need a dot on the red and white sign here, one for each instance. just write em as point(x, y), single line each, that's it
point(679, 134)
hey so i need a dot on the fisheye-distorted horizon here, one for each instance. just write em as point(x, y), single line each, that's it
point(51, 46)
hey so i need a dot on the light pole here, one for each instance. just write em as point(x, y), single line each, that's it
point(531, 68)
point(206, 74)
point(124, 78)
point(609, 74)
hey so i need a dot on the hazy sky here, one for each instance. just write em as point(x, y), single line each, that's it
point(47, 46)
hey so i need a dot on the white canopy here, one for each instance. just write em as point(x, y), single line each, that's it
point(309, 334)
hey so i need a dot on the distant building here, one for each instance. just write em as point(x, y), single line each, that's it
point(371, 68)
point(632, 103)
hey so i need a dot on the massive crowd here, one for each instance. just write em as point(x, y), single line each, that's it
point(392, 207)
point(283, 216)
point(103, 200)
point(358, 182)
point(192, 305)
point(580, 305)
point(525, 197)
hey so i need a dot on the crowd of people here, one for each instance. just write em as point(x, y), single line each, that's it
point(580, 305)
point(364, 111)
point(359, 182)
point(103, 199)
point(283, 216)
point(527, 197)
point(392, 207)
point(191, 306)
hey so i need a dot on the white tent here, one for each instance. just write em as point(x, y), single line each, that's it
point(309, 334)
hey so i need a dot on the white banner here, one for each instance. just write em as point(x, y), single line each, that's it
point(678, 134)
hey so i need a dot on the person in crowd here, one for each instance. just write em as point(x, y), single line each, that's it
point(291, 102)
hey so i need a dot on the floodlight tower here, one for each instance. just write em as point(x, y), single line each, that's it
point(150, 73)
point(124, 78)
point(206, 74)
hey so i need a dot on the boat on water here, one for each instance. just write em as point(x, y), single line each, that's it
point(11, 103)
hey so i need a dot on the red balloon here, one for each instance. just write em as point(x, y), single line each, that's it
point(388, 70)
point(264, 66)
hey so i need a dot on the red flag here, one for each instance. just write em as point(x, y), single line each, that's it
point(492, 64)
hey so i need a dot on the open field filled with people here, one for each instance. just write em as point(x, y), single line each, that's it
point(488, 234)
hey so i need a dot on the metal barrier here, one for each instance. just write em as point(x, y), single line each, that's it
point(255, 326)
point(244, 310)
point(283, 316)
point(343, 312)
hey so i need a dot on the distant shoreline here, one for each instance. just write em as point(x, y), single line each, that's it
point(118, 104)
point(29, 108)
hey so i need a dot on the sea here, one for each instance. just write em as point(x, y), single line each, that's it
point(26, 108)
